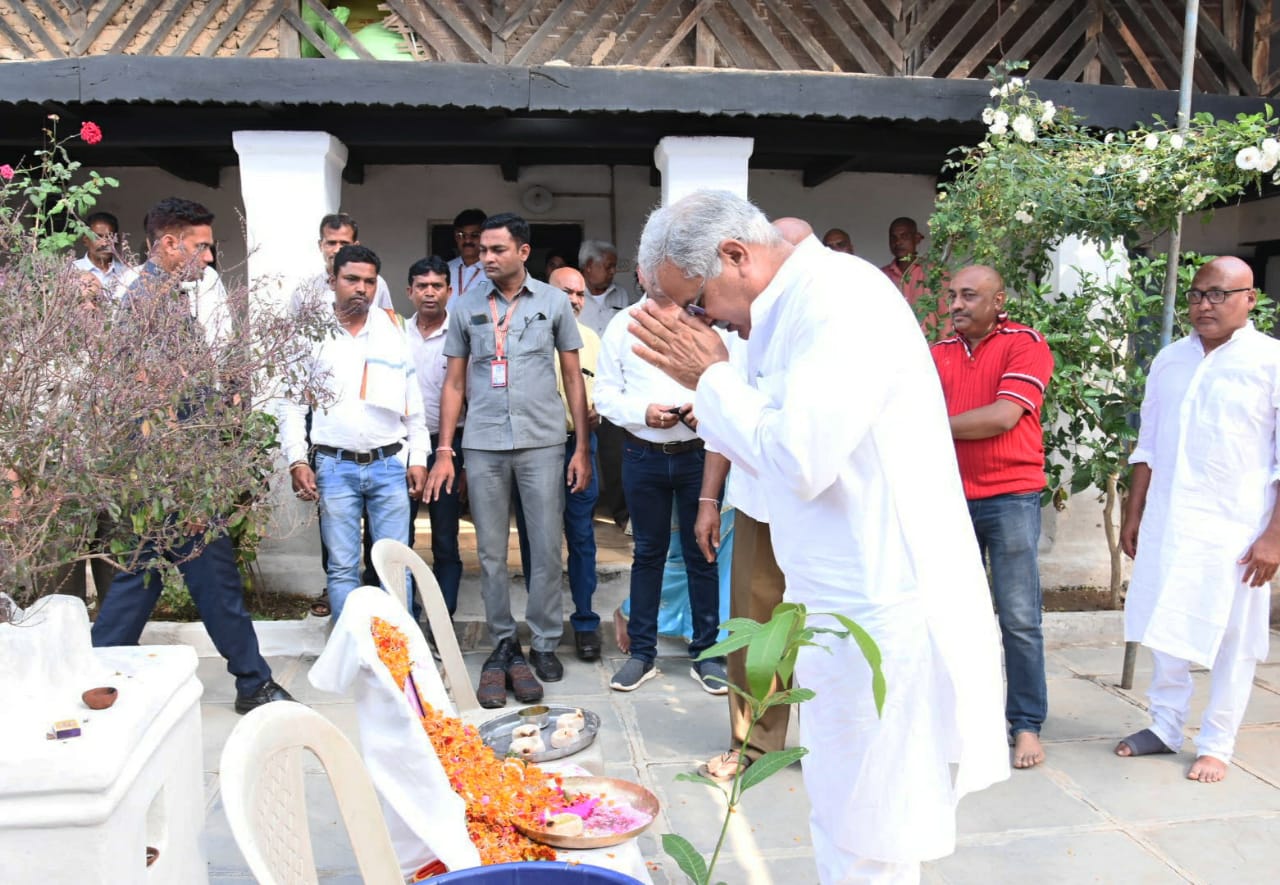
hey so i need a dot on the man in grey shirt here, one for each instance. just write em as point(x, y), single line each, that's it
point(502, 346)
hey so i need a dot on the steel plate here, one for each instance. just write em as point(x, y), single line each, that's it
point(497, 734)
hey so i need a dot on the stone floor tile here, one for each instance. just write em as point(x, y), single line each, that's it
point(1058, 858)
point(216, 722)
point(1155, 788)
point(1105, 661)
point(219, 685)
point(765, 868)
point(1246, 851)
point(678, 724)
point(1258, 748)
point(1081, 709)
point(1030, 799)
point(773, 816)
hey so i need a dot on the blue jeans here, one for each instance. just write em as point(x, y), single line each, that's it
point(652, 481)
point(216, 589)
point(580, 540)
point(347, 491)
point(446, 563)
point(1008, 530)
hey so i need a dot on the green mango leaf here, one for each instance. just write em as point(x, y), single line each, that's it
point(768, 765)
point(871, 652)
point(766, 650)
point(686, 857)
point(789, 696)
point(724, 646)
point(693, 777)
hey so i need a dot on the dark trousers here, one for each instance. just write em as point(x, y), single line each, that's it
point(218, 593)
point(612, 500)
point(446, 562)
point(652, 481)
point(580, 540)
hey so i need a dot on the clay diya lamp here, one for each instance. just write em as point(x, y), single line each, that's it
point(99, 698)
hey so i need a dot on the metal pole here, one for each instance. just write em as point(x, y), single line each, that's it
point(1190, 25)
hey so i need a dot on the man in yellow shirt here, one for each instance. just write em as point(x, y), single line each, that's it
point(579, 507)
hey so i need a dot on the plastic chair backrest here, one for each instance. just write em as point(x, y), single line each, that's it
point(265, 799)
point(390, 559)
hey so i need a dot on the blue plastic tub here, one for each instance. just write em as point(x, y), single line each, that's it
point(537, 872)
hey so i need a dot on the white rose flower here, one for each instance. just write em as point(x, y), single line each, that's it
point(1023, 216)
point(1143, 175)
point(1270, 154)
point(1047, 110)
point(995, 92)
point(1151, 142)
point(1016, 82)
point(1000, 123)
point(988, 116)
point(1023, 101)
point(1176, 141)
point(1126, 161)
point(1100, 169)
point(1249, 159)
point(1024, 127)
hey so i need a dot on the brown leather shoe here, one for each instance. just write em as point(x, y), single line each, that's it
point(492, 691)
point(522, 682)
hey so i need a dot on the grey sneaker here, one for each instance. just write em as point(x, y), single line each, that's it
point(711, 676)
point(632, 675)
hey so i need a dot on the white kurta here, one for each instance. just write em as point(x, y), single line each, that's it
point(425, 817)
point(843, 425)
point(1209, 436)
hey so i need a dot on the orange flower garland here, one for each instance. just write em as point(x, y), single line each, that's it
point(496, 792)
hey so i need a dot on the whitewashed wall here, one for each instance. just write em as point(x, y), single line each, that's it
point(396, 203)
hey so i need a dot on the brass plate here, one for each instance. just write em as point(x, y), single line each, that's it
point(610, 788)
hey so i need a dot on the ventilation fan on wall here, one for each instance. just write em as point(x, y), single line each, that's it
point(538, 199)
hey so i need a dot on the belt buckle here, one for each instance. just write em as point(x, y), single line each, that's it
point(364, 458)
point(671, 448)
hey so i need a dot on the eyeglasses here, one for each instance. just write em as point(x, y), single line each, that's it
point(695, 309)
point(467, 235)
point(1213, 296)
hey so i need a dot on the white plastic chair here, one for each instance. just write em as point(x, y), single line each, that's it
point(390, 559)
point(265, 799)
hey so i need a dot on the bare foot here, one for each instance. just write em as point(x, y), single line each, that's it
point(1207, 770)
point(620, 631)
point(1027, 751)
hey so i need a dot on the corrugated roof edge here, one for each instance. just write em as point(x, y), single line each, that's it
point(561, 89)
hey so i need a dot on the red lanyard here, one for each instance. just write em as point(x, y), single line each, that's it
point(475, 275)
point(500, 330)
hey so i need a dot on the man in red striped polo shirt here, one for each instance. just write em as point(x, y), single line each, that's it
point(994, 373)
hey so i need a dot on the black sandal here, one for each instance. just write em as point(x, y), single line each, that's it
point(320, 608)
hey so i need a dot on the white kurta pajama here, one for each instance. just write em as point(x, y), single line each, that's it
point(1209, 436)
point(843, 425)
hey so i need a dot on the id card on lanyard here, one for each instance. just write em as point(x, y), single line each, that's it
point(498, 368)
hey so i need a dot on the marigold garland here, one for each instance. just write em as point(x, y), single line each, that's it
point(496, 792)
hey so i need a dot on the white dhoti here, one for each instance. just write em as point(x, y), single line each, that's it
point(1230, 682)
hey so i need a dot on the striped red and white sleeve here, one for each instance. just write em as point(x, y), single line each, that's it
point(1027, 371)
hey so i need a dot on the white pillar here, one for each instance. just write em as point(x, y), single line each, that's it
point(289, 181)
point(691, 163)
point(1073, 546)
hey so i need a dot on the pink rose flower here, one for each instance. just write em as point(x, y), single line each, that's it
point(6, 172)
point(91, 133)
